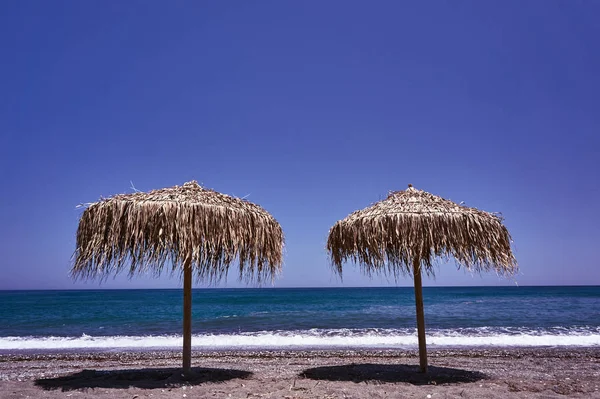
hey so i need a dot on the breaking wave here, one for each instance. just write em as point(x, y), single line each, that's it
point(323, 339)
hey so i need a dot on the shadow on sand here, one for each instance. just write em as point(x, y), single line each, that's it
point(392, 373)
point(139, 378)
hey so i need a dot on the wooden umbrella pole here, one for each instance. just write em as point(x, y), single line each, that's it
point(187, 315)
point(420, 317)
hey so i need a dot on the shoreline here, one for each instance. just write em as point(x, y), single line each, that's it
point(141, 354)
point(434, 351)
point(476, 372)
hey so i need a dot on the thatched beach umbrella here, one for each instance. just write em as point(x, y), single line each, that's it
point(405, 232)
point(185, 229)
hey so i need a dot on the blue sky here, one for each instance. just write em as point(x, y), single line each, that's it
point(311, 109)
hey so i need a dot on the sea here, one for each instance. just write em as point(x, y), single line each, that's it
point(300, 318)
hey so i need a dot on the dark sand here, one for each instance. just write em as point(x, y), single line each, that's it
point(492, 373)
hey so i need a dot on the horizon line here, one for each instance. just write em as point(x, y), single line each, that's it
point(298, 287)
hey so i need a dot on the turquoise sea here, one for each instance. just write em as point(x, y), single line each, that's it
point(300, 318)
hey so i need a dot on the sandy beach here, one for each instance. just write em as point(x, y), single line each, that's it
point(493, 373)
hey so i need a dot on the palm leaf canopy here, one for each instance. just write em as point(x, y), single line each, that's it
point(142, 232)
point(412, 227)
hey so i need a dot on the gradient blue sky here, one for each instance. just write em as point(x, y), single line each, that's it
point(312, 109)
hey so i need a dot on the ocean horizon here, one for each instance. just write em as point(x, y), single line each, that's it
point(299, 318)
point(99, 288)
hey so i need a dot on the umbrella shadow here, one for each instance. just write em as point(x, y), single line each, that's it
point(369, 372)
point(147, 378)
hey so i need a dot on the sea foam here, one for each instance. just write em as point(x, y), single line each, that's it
point(323, 339)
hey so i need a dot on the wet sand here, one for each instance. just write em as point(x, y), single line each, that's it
point(479, 373)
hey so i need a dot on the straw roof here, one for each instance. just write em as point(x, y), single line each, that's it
point(413, 227)
point(140, 232)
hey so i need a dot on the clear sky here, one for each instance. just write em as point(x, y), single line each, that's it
point(311, 109)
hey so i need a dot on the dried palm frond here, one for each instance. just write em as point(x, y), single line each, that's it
point(142, 232)
point(412, 227)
